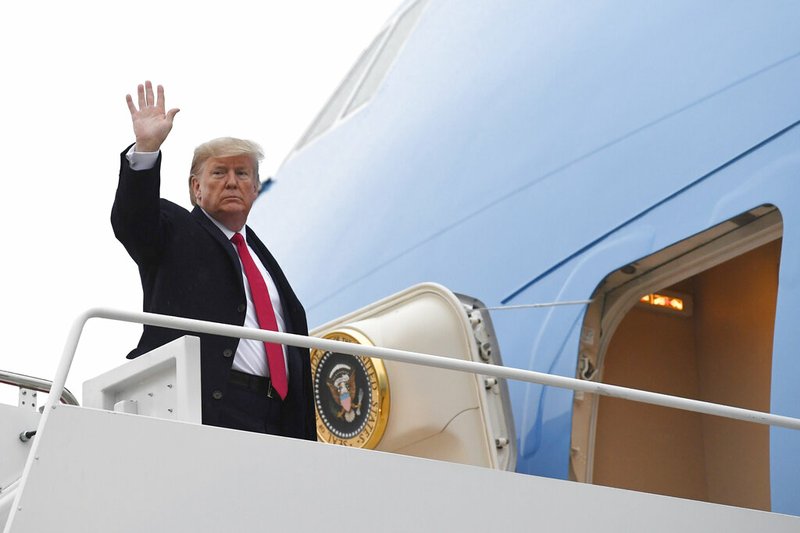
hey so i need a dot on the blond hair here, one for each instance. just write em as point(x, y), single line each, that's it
point(223, 147)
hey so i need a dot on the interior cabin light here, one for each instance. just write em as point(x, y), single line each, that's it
point(668, 302)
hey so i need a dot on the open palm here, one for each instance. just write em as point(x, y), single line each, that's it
point(151, 122)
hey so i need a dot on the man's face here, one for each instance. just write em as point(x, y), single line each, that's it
point(226, 189)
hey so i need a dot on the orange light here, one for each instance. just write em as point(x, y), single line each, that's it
point(662, 300)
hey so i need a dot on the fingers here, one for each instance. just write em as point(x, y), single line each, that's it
point(146, 98)
point(140, 92)
point(171, 113)
point(131, 107)
point(161, 103)
point(148, 93)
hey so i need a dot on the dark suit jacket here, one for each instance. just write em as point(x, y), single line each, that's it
point(190, 269)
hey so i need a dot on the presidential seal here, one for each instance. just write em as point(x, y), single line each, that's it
point(351, 394)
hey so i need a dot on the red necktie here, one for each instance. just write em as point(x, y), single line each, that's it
point(266, 316)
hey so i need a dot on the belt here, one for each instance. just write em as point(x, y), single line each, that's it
point(259, 384)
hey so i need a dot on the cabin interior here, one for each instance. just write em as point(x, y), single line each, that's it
point(711, 341)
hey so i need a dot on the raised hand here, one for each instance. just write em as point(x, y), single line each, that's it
point(151, 123)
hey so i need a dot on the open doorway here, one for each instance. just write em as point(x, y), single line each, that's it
point(709, 337)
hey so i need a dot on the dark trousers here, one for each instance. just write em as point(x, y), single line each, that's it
point(248, 410)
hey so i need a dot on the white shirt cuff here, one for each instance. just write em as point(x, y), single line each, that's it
point(141, 160)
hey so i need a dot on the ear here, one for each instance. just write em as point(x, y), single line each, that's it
point(195, 187)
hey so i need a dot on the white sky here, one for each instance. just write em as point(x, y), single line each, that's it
point(258, 70)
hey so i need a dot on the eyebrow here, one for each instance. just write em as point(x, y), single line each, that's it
point(237, 167)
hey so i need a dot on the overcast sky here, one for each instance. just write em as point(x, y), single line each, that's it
point(258, 70)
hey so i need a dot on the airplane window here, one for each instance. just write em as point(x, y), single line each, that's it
point(365, 77)
point(402, 29)
point(341, 96)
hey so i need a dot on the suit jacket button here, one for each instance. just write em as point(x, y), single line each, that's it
point(227, 353)
point(242, 308)
point(217, 394)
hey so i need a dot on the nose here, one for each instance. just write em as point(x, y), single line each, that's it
point(230, 179)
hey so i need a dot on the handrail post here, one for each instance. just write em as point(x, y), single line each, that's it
point(56, 390)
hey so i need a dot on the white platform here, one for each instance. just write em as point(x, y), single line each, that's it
point(101, 471)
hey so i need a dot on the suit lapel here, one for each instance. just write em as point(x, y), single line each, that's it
point(220, 238)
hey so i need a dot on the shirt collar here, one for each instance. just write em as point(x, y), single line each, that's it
point(228, 233)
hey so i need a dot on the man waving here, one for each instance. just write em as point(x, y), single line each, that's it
point(207, 264)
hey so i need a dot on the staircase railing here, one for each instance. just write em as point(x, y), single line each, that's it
point(38, 384)
point(484, 369)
